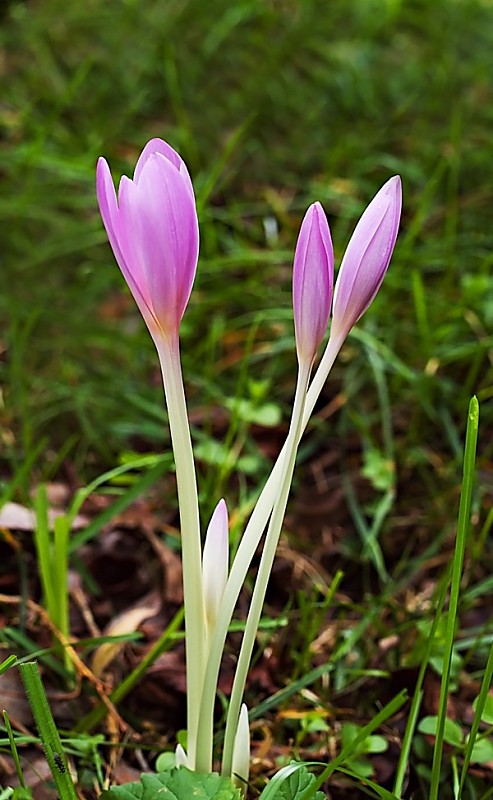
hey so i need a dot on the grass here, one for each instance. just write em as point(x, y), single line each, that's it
point(273, 105)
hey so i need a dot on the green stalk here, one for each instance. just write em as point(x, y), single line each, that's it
point(60, 578)
point(53, 556)
point(169, 357)
point(458, 560)
point(246, 551)
point(47, 730)
point(480, 704)
point(265, 568)
point(14, 751)
point(412, 716)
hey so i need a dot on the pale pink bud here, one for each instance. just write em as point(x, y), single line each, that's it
point(367, 258)
point(153, 230)
point(313, 277)
point(215, 561)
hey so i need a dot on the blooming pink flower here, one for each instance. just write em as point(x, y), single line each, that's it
point(367, 258)
point(313, 277)
point(153, 230)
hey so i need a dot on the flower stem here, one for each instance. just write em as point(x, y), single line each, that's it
point(265, 567)
point(246, 551)
point(169, 357)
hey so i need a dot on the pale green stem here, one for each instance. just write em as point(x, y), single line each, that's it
point(246, 551)
point(195, 626)
point(265, 568)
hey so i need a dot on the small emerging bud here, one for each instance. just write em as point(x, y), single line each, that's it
point(313, 277)
point(241, 751)
point(215, 562)
point(367, 258)
point(181, 758)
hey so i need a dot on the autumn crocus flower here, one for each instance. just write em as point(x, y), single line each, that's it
point(153, 230)
point(313, 277)
point(367, 258)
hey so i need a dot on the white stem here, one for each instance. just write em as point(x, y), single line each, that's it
point(169, 357)
point(265, 568)
point(246, 551)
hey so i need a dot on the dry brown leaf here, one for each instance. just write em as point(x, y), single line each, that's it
point(126, 622)
point(13, 516)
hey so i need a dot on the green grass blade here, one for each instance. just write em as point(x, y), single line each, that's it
point(47, 730)
point(386, 712)
point(13, 750)
point(458, 560)
point(483, 694)
point(418, 692)
point(157, 467)
point(7, 664)
point(42, 541)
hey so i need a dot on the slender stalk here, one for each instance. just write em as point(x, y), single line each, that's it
point(48, 731)
point(463, 526)
point(169, 357)
point(246, 551)
point(265, 567)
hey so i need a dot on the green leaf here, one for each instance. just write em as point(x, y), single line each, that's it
point(379, 469)
point(290, 783)
point(487, 715)
point(452, 732)
point(267, 414)
point(371, 744)
point(361, 766)
point(165, 761)
point(177, 784)
point(19, 793)
point(482, 752)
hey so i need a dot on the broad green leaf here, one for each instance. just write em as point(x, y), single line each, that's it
point(177, 784)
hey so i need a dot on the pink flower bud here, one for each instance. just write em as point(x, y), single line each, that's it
point(153, 230)
point(313, 277)
point(367, 258)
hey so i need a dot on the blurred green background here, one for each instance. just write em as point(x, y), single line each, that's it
point(273, 105)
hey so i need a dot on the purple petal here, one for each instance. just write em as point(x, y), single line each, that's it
point(159, 146)
point(111, 216)
point(153, 231)
point(313, 272)
point(367, 257)
point(164, 229)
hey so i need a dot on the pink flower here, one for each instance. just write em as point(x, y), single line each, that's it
point(367, 258)
point(153, 230)
point(313, 277)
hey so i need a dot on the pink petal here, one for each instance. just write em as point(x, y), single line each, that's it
point(313, 272)
point(111, 216)
point(367, 257)
point(159, 146)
